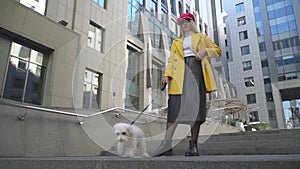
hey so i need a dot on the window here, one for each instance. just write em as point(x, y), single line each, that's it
point(257, 17)
point(188, 8)
point(96, 37)
point(249, 81)
point(264, 62)
point(284, 27)
point(243, 35)
point(180, 7)
point(247, 65)
point(153, 6)
point(102, 3)
point(272, 114)
point(241, 21)
point(133, 17)
point(164, 15)
point(173, 7)
point(255, 3)
point(240, 7)
point(245, 50)
point(157, 75)
point(259, 31)
point(286, 43)
point(279, 61)
point(269, 96)
point(281, 18)
point(155, 34)
point(227, 55)
point(267, 80)
point(91, 89)
point(251, 98)
point(36, 5)
point(132, 80)
point(291, 76)
point(25, 74)
point(253, 116)
point(262, 46)
point(289, 59)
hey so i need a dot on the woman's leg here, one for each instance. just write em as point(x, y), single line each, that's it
point(195, 129)
point(165, 147)
point(193, 148)
point(170, 130)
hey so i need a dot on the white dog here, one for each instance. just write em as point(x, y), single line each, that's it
point(130, 140)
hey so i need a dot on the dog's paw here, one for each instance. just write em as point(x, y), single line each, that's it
point(145, 155)
point(129, 155)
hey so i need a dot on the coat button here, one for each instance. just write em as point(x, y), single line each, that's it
point(175, 68)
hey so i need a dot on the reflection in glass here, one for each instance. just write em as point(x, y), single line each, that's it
point(91, 93)
point(132, 80)
point(25, 75)
point(15, 80)
point(34, 84)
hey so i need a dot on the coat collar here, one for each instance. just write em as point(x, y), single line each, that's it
point(196, 38)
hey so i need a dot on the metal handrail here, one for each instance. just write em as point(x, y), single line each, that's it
point(22, 117)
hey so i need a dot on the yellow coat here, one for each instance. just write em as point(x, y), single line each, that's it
point(175, 68)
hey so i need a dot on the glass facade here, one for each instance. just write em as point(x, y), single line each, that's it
point(281, 16)
point(285, 42)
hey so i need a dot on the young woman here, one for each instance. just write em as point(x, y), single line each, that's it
point(189, 76)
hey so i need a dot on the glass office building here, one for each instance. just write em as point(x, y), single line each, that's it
point(264, 39)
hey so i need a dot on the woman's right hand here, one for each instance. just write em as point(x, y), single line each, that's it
point(165, 80)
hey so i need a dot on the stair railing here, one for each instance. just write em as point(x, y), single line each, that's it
point(84, 116)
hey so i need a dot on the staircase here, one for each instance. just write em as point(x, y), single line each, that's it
point(51, 141)
point(248, 143)
point(173, 162)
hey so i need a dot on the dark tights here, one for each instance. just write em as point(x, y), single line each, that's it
point(195, 129)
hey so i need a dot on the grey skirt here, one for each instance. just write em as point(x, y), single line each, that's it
point(190, 106)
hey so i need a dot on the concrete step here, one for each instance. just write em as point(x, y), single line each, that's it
point(259, 142)
point(171, 162)
point(244, 143)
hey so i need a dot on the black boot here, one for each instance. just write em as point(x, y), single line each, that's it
point(193, 149)
point(165, 149)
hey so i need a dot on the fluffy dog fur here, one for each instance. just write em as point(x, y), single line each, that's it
point(130, 140)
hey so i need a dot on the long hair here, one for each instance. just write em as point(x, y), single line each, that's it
point(194, 29)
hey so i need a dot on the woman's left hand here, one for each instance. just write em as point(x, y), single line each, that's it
point(200, 55)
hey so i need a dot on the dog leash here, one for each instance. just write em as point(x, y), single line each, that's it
point(141, 113)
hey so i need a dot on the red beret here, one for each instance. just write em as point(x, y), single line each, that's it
point(185, 16)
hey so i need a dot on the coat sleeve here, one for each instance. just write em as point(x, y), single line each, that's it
point(212, 49)
point(170, 65)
